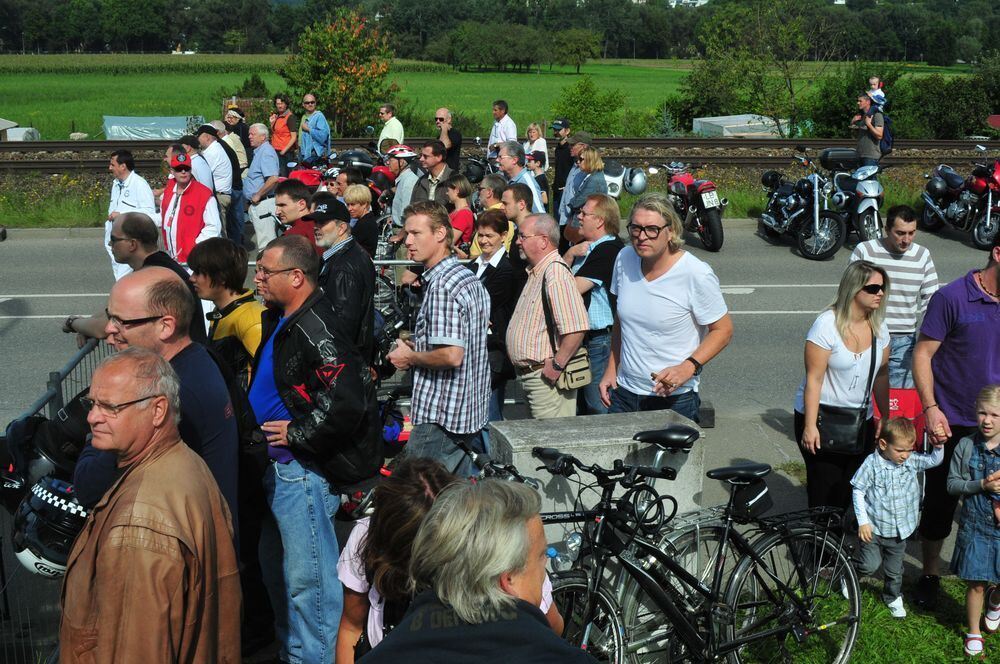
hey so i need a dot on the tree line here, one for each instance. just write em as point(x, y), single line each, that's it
point(897, 30)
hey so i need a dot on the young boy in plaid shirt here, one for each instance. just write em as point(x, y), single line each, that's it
point(887, 505)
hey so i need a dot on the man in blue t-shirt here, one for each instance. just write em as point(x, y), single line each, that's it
point(151, 309)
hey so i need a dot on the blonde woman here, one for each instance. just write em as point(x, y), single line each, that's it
point(364, 225)
point(592, 165)
point(838, 360)
point(536, 141)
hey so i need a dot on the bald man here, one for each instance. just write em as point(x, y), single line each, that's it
point(151, 309)
point(451, 137)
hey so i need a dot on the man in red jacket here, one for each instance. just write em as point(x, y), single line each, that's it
point(188, 210)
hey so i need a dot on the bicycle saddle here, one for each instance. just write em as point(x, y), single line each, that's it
point(673, 438)
point(746, 471)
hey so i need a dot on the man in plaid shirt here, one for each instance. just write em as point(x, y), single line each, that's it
point(451, 374)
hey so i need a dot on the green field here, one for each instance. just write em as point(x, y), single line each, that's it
point(56, 94)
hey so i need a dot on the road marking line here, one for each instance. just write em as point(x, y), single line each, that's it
point(782, 285)
point(28, 296)
point(3, 299)
point(57, 317)
point(737, 290)
point(772, 313)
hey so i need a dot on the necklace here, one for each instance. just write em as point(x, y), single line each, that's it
point(979, 278)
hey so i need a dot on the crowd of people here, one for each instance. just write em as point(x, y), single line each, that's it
point(233, 420)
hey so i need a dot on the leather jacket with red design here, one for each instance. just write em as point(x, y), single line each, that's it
point(328, 390)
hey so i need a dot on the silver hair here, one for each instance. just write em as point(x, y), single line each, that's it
point(151, 374)
point(515, 150)
point(472, 535)
point(545, 224)
point(218, 125)
point(260, 128)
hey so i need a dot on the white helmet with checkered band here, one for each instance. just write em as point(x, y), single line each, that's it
point(45, 525)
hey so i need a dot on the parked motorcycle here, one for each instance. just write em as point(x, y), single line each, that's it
point(476, 168)
point(800, 209)
point(967, 204)
point(857, 193)
point(697, 203)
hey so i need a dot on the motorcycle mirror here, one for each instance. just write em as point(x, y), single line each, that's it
point(369, 130)
point(478, 140)
point(981, 148)
point(653, 170)
point(293, 164)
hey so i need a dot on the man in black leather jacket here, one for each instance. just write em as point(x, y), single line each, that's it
point(347, 275)
point(314, 398)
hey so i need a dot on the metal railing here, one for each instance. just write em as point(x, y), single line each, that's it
point(64, 384)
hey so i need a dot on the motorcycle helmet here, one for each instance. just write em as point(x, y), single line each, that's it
point(635, 181)
point(45, 525)
point(474, 171)
point(381, 180)
point(804, 188)
point(331, 173)
point(937, 188)
point(771, 179)
point(358, 159)
point(400, 152)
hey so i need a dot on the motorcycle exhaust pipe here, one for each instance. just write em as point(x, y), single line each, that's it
point(769, 221)
point(723, 202)
point(929, 202)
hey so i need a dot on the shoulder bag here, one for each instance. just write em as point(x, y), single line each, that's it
point(577, 372)
point(842, 430)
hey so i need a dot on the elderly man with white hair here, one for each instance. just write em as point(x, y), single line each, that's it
point(259, 183)
point(478, 563)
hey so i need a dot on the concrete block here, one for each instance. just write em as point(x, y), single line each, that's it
point(597, 439)
point(706, 414)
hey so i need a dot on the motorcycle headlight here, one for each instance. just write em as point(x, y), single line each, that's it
point(827, 188)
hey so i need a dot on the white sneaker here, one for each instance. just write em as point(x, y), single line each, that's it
point(896, 608)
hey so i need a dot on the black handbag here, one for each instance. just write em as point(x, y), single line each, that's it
point(842, 430)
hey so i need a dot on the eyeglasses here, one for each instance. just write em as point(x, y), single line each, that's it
point(266, 274)
point(112, 239)
point(584, 213)
point(308, 103)
point(521, 236)
point(122, 323)
point(873, 289)
point(578, 160)
point(438, 119)
point(112, 409)
point(652, 232)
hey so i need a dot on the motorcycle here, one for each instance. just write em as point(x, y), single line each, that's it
point(477, 168)
point(857, 193)
point(967, 204)
point(800, 209)
point(697, 203)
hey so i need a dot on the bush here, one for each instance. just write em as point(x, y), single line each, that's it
point(589, 109)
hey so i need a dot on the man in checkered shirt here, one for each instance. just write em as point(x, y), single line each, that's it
point(451, 375)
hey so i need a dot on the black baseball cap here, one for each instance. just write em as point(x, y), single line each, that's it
point(560, 123)
point(327, 212)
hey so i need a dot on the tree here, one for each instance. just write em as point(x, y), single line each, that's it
point(586, 107)
point(575, 46)
point(345, 62)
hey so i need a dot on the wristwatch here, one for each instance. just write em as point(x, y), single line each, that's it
point(558, 367)
point(68, 324)
point(698, 366)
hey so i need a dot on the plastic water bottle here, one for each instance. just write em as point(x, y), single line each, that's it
point(558, 561)
point(573, 542)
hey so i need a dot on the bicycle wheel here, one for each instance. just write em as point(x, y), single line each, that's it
point(600, 634)
point(648, 634)
point(815, 570)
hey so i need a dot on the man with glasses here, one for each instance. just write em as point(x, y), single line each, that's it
point(154, 571)
point(314, 131)
point(151, 309)
point(540, 354)
point(393, 129)
point(512, 161)
point(129, 193)
point(672, 319)
point(578, 142)
point(314, 398)
point(134, 241)
point(451, 137)
point(436, 170)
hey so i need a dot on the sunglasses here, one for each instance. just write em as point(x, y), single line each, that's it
point(873, 289)
point(439, 119)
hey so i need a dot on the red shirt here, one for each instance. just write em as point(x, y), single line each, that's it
point(463, 220)
point(306, 229)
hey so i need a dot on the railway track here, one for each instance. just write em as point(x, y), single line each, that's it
point(763, 162)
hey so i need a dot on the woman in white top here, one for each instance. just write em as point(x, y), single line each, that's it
point(838, 355)
point(374, 565)
point(537, 142)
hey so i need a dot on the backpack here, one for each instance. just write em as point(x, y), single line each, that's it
point(885, 145)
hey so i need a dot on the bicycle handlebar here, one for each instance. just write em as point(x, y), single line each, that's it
point(560, 463)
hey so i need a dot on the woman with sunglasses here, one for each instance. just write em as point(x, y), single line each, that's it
point(592, 165)
point(838, 360)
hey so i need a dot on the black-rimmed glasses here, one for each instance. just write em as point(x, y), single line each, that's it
point(122, 323)
point(652, 232)
point(113, 409)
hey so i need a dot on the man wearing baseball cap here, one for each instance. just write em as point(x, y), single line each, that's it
point(188, 210)
point(564, 160)
point(577, 142)
point(347, 275)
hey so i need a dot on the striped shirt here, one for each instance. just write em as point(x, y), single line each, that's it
point(455, 312)
point(528, 340)
point(912, 281)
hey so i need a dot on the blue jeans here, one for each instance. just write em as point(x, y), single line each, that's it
point(686, 404)
point(236, 217)
point(497, 395)
point(298, 556)
point(598, 350)
point(430, 441)
point(901, 360)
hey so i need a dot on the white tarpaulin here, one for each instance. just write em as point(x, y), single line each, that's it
point(150, 128)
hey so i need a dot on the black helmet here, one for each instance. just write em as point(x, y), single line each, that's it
point(47, 521)
point(359, 159)
point(936, 187)
point(771, 179)
point(474, 171)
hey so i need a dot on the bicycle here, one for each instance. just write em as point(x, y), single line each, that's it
point(792, 594)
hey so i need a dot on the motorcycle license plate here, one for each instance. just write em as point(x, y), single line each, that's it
point(710, 199)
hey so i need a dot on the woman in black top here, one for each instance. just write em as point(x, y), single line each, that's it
point(358, 198)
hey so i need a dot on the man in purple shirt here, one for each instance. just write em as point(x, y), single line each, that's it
point(957, 354)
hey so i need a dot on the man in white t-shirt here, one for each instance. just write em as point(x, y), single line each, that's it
point(672, 319)
point(912, 280)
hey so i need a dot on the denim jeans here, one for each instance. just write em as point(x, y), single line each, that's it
point(236, 217)
point(686, 404)
point(497, 395)
point(589, 398)
point(430, 441)
point(901, 360)
point(298, 555)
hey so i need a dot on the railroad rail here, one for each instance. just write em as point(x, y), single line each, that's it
point(658, 144)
